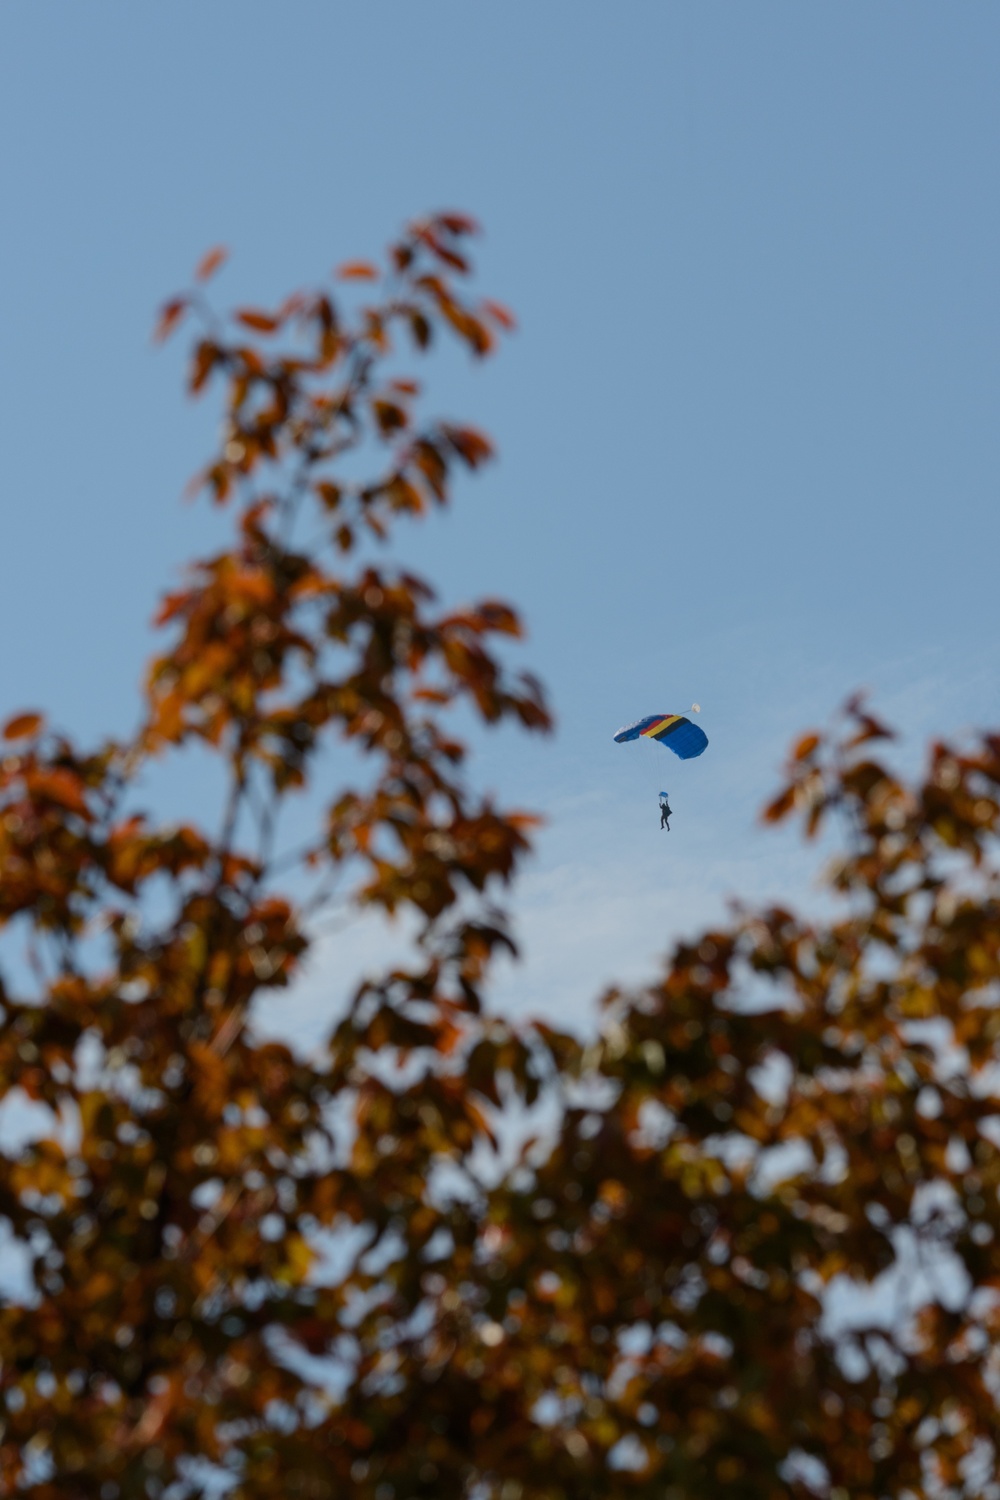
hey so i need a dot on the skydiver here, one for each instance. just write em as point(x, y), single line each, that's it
point(665, 811)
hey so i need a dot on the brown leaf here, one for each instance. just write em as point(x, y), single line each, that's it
point(389, 416)
point(428, 459)
point(780, 807)
point(261, 321)
point(472, 446)
point(458, 223)
point(206, 356)
point(23, 726)
point(329, 493)
point(421, 329)
point(170, 315)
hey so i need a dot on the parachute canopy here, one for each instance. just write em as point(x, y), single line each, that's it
point(671, 730)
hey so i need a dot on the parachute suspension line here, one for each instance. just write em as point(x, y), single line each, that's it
point(670, 731)
point(654, 759)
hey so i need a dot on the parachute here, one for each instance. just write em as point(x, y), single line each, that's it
point(674, 731)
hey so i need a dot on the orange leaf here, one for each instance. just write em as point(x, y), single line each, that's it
point(170, 315)
point(251, 584)
point(782, 804)
point(356, 270)
point(59, 786)
point(806, 746)
point(500, 314)
point(250, 318)
point(210, 263)
point(23, 726)
point(402, 495)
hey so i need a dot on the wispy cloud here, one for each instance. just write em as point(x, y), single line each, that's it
point(607, 894)
point(593, 909)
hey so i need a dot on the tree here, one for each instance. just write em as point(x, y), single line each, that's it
point(278, 1277)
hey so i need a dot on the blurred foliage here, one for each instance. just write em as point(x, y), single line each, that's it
point(752, 1249)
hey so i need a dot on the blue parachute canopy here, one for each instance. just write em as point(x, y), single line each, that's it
point(671, 730)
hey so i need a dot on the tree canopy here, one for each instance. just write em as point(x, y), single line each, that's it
point(751, 1250)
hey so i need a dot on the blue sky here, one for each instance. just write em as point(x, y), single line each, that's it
point(747, 428)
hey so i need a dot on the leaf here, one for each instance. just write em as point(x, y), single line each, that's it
point(23, 726)
point(421, 329)
point(356, 270)
point(805, 747)
point(474, 447)
point(261, 321)
point(206, 355)
point(210, 263)
point(869, 728)
point(780, 807)
point(389, 416)
point(404, 496)
point(450, 257)
point(498, 616)
point(458, 223)
point(59, 786)
point(330, 494)
point(500, 314)
point(170, 315)
point(428, 460)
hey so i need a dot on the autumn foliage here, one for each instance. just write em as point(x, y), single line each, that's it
point(750, 1250)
